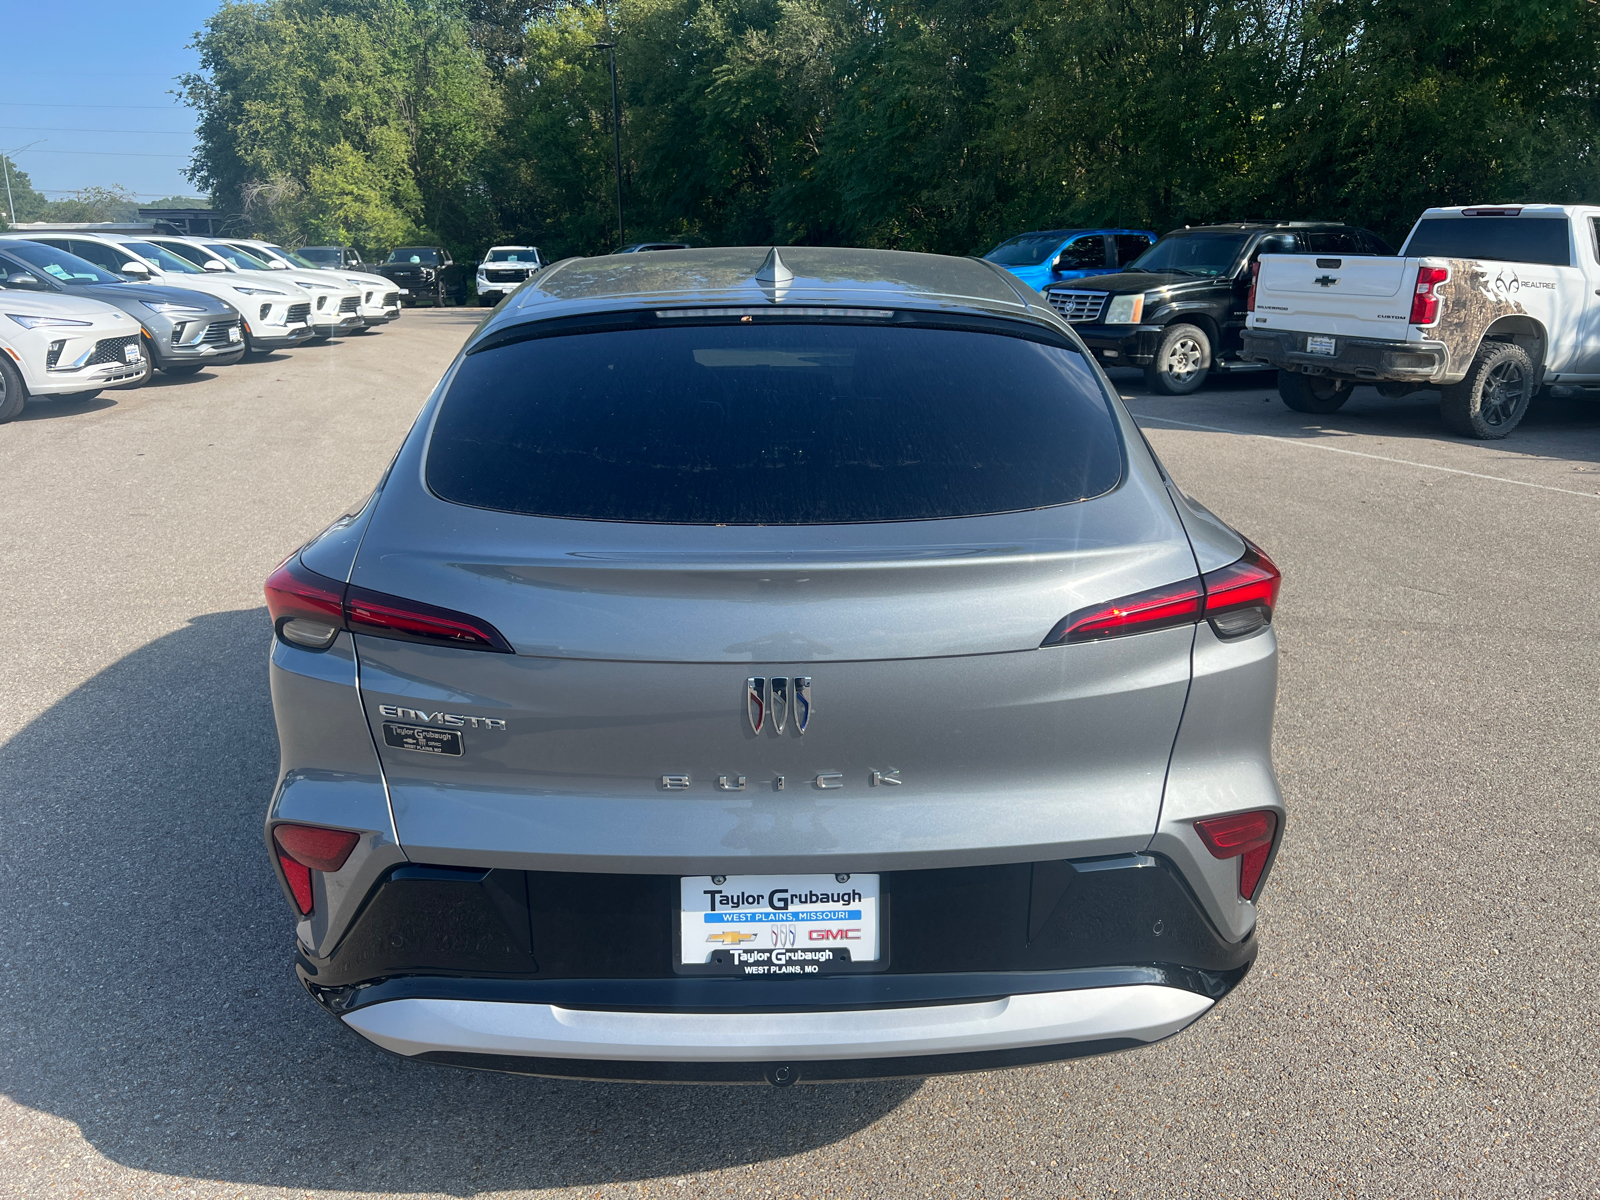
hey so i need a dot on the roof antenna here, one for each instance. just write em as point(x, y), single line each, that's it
point(774, 278)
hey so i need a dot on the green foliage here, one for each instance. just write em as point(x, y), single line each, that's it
point(30, 203)
point(92, 204)
point(940, 125)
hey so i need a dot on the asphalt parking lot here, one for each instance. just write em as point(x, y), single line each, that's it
point(1422, 1020)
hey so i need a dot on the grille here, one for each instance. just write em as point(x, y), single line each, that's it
point(349, 304)
point(1078, 307)
point(505, 276)
point(298, 312)
point(390, 299)
point(217, 333)
point(110, 350)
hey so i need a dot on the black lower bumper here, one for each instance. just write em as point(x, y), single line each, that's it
point(1121, 345)
point(1367, 359)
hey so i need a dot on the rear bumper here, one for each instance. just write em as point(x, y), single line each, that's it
point(544, 1038)
point(1368, 359)
point(572, 974)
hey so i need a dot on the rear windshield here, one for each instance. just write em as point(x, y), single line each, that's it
point(794, 424)
point(1503, 239)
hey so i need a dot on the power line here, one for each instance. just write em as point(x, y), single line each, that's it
point(73, 129)
point(32, 104)
point(110, 153)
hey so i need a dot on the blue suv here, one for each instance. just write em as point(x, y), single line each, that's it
point(1051, 255)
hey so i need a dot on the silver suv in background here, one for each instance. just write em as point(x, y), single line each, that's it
point(773, 665)
point(504, 269)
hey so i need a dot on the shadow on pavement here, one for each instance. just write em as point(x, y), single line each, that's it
point(44, 408)
point(1248, 402)
point(146, 993)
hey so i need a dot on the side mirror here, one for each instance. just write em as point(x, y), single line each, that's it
point(136, 268)
point(213, 265)
point(25, 280)
point(275, 265)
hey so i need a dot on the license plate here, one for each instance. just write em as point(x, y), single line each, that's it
point(234, 335)
point(1316, 344)
point(130, 352)
point(777, 926)
point(405, 291)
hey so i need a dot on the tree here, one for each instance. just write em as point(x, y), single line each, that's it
point(30, 203)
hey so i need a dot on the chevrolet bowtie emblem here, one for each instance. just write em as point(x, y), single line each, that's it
point(731, 937)
point(1325, 280)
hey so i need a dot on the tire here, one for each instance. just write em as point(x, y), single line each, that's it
point(13, 392)
point(1313, 393)
point(182, 369)
point(1181, 362)
point(1494, 397)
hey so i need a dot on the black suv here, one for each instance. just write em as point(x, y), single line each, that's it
point(1178, 309)
point(425, 273)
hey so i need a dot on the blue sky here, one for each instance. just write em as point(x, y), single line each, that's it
point(97, 92)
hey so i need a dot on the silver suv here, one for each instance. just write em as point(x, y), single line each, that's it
point(785, 664)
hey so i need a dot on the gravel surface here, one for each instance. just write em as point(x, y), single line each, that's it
point(1422, 1020)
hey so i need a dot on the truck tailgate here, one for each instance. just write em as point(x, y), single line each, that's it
point(1350, 297)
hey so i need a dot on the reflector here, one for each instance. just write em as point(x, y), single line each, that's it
point(306, 848)
point(1245, 836)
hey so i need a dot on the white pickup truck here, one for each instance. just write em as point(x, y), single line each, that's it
point(1486, 303)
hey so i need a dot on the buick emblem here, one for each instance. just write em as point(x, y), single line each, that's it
point(778, 700)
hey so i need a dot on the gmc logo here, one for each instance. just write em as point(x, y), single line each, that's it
point(835, 935)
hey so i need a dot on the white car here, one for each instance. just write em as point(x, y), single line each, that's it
point(504, 269)
point(64, 346)
point(267, 307)
point(334, 305)
point(380, 299)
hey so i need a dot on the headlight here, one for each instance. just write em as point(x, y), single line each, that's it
point(1125, 310)
point(313, 285)
point(356, 282)
point(249, 291)
point(32, 322)
point(170, 306)
point(427, 272)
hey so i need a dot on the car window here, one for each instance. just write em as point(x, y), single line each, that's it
point(1026, 249)
point(61, 265)
point(321, 256)
point(1193, 252)
point(1277, 243)
point(1130, 246)
point(236, 256)
point(1501, 239)
point(109, 258)
point(164, 258)
point(19, 276)
point(1335, 241)
point(513, 256)
point(415, 254)
point(190, 253)
point(1084, 253)
point(792, 424)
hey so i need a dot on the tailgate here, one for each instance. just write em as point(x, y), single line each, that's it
point(1353, 297)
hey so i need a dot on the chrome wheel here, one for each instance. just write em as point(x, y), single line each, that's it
point(1504, 392)
point(1184, 357)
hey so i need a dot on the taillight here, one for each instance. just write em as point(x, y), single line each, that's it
point(410, 621)
point(1237, 599)
point(1425, 301)
point(1240, 597)
point(1158, 608)
point(1255, 274)
point(1245, 836)
point(303, 849)
point(309, 610)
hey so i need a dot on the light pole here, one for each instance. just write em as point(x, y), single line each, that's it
point(5, 155)
point(616, 133)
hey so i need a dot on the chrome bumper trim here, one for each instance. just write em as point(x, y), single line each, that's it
point(1145, 1012)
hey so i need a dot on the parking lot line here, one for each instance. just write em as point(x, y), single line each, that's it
point(1313, 444)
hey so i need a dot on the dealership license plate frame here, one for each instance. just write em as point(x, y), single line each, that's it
point(722, 962)
point(1318, 343)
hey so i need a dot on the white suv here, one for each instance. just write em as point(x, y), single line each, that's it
point(63, 346)
point(504, 269)
point(379, 301)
